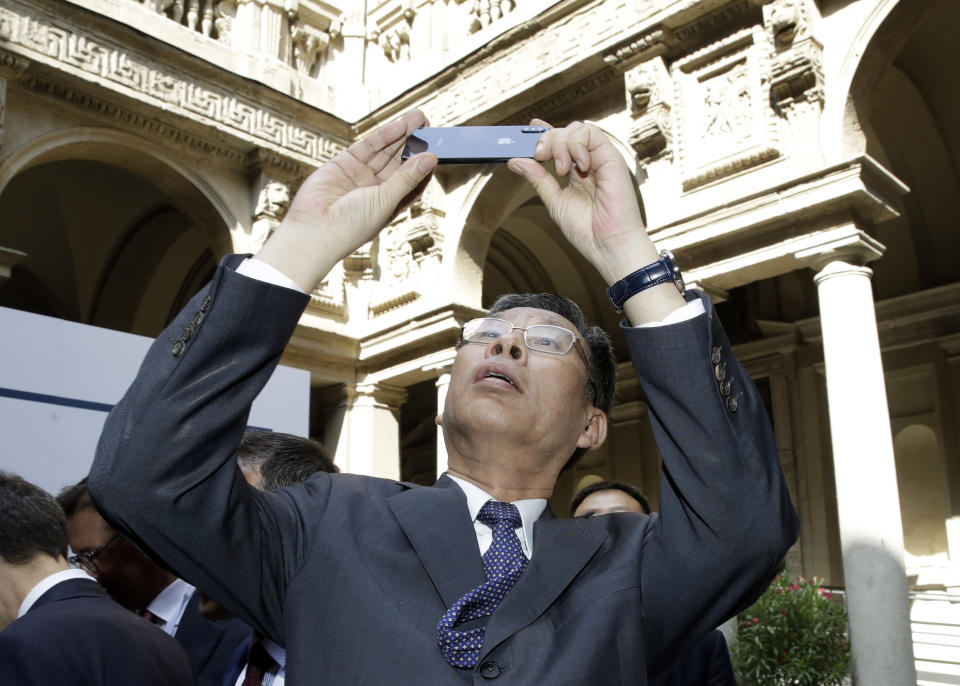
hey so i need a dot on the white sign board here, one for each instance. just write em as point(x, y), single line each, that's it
point(59, 379)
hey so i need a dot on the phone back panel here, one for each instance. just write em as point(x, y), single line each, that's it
point(474, 144)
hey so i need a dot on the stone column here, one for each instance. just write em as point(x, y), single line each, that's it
point(369, 440)
point(443, 385)
point(868, 503)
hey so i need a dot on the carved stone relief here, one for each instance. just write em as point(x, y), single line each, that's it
point(796, 73)
point(393, 35)
point(408, 249)
point(161, 85)
point(650, 99)
point(309, 43)
point(272, 205)
point(725, 122)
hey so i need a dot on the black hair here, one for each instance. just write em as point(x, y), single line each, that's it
point(609, 486)
point(283, 459)
point(75, 498)
point(31, 522)
point(603, 363)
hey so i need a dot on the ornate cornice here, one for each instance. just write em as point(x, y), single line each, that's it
point(576, 92)
point(44, 39)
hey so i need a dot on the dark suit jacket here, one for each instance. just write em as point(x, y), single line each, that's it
point(351, 573)
point(76, 635)
point(706, 663)
point(209, 644)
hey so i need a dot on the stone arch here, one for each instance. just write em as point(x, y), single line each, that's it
point(120, 234)
point(924, 505)
point(882, 33)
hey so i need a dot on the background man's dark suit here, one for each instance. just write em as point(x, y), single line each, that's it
point(210, 645)
point(351, 573)
point(75, 634)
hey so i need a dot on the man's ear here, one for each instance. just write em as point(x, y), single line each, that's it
point(438, 420)
point(595, 430)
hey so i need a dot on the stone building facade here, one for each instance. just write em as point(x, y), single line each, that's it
point(800, 157)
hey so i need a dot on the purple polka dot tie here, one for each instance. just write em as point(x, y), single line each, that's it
point(503, 563)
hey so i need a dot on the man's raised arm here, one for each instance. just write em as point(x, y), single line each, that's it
point(726, 519)
point(164, 472)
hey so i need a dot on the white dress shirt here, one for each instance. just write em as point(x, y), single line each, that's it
point(169, 604)
point(530, 511)
point(277, 674)
point(46, 584)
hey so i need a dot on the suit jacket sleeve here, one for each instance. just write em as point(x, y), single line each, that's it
point(165, 472)
point(29, 663)
point(726, 520)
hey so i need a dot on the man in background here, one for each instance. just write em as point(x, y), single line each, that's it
point(140, 584)
point(268, 460)
point(707, 662)
point(57, 625)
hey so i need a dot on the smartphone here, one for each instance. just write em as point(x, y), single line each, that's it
point(474, 144)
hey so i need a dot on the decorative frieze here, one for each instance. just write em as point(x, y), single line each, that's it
point(725, 123)
point(637, 48)
point(73, 50)
point(575, 93)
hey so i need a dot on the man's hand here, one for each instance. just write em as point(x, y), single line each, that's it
point(347, 201)
point(597, 209)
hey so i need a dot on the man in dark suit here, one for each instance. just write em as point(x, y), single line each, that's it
point(140, 584)
point(706, 662)
point(268, 460)
point(57, 626)
point(371, 581)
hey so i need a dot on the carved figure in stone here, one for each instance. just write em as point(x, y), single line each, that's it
point(308, 44)
point(224, 15)
point(395, 43)
point(158, 6)
point(727, 105)
point(272, 205)
point(786, 19)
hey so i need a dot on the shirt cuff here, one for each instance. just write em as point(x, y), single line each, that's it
point(261, 271)
point(692, 309)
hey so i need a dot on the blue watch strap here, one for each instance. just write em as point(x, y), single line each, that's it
point(662, 271)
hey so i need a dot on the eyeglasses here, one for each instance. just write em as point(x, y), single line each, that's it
point(543, 338)
point(88, 561)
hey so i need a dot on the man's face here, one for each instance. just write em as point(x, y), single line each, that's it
point(504, 390)
point(605, 502)
point(129, 577)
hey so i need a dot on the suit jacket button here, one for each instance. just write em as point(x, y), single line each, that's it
point(489, 670)
point(205, 304)
point(720, 371)
point(178, 348)
point(197, 318)
point(715, 355)
point(187, 332)
point(725, 387)
point(732, 403)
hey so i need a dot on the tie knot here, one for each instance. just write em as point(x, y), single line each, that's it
point(494, 512)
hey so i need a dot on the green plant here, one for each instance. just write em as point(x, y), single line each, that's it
point(794, 635)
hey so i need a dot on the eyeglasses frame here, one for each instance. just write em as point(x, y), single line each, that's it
point(88, 561)
point(576, 344)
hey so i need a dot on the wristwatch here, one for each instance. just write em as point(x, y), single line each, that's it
point(663, 270)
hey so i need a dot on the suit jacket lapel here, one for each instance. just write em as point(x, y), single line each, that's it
point(561, 548)
point(437, 524)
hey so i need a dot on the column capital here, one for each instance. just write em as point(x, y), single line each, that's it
point(840, 267)
point(854, 247)
point(380, 395)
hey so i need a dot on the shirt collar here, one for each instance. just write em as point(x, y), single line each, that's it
point(530, 509)
point(276, 651)
point(169, 603)
point(46, 584)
